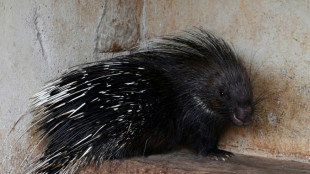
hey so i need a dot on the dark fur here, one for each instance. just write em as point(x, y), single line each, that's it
point(179, 89)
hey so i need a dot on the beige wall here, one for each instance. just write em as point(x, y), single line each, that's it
point(274, 37)
point(41, 39)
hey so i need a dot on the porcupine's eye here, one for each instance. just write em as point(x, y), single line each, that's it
point(224, 94)
point(221, 93)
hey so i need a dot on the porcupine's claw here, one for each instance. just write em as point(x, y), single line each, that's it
point(218, 155)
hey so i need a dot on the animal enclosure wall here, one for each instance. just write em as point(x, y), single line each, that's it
point(41, 39)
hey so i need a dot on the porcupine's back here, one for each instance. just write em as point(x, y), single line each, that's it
point(111, 109)
point(131, 105)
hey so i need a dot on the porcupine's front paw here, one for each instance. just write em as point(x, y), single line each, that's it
point(217, 154)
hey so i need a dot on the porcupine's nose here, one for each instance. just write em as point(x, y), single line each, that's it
point(244, 114)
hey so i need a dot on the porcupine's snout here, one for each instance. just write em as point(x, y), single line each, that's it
point(242, 115)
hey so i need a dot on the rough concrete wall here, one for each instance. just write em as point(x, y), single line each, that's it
point(274, 37)
point(41, 39)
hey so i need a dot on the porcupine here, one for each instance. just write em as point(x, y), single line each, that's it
point(178, 88)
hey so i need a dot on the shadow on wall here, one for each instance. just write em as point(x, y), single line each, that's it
point(278, 130)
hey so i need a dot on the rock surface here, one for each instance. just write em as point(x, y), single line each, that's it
point(184, 162)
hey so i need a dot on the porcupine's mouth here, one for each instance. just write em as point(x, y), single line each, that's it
point(238, 122)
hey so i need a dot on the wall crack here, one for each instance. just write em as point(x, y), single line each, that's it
point(143, 24)
point(38, 33)
point(98, 31)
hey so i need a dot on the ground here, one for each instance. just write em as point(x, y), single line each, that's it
point(186, 162)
